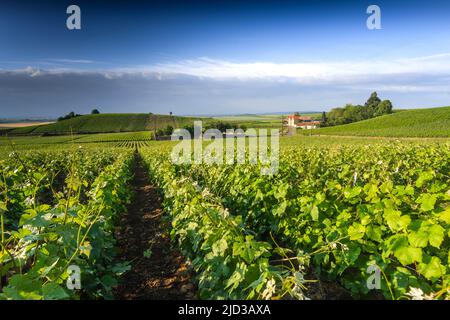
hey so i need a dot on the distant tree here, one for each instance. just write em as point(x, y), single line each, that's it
point(351, 113)
point(243, 127)
point(324, 117)
point(384, 107)
point(221, 126)
point(336, 116)
point(70, 115)
point(168, 130)
point(95, 111)
point(373, 100)
point(371, 105)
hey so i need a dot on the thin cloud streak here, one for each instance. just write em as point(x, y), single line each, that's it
point(306, 73)
point(82, 61)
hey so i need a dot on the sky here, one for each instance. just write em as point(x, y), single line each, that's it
point(220, 57)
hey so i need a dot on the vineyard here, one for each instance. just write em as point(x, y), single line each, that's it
point(58, 209)
point(335, 210)
point(106, 123)
point(125, 139)
point(432, 122)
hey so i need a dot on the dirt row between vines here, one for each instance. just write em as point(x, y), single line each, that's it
point(158, 270)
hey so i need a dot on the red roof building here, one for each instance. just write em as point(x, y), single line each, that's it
point(297, 121)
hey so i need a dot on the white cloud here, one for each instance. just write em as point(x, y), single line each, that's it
point(32, 72)
point(419, 74)
point(308, 73)
point(145, 89)
point(305, 72)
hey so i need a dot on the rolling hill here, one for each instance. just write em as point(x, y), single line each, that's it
point(433, 122)
point(105, 123)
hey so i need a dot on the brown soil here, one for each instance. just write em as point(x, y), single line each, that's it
point(327, 290)
point(163, 274)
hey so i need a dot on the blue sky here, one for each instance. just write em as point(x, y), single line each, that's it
point(223, 57)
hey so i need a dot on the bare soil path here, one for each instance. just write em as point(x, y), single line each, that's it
point(158, 271)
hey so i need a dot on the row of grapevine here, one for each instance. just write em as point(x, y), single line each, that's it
point(116, 137)
point(229, 261)
point(59, 210)
point(132, 144)
point(381, 205)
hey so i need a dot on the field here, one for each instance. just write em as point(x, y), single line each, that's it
point(432, 122)
point(21, 124)
point(336, 207)
point(125, 139)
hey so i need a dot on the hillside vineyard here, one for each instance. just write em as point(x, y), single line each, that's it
point(332, 211)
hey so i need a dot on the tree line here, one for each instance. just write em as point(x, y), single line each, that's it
point(220, 125)
point(374, 107)
point(72, 114)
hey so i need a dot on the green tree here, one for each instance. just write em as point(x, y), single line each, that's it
point(221, 126)
point(159, 132)
point(168, 130)
point(336, 116)
point(353, 113)
point(384, 107)
point(95, 111)
point(371, 105)
point(243, 127)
